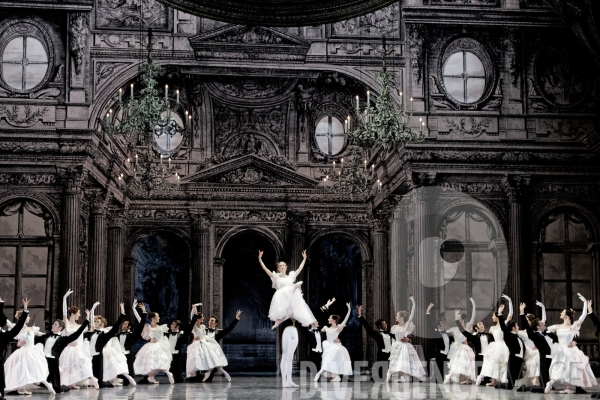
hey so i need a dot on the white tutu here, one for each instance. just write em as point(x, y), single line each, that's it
point(495, 361)
point(404, 358)
point(532, 356)
point(114, 361)
point(462, 360)
point(153, 356)
point(570, 365)
point(288, 302)
point(203, 355)
point(336, 359)
point(27, 365)
point(75, 362)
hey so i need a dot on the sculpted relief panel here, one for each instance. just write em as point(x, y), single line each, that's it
point(125, 14)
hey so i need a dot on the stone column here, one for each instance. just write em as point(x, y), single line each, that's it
point(69, 255)
point(96, 273)
point(215, 295)
point(200, 284)
point(398, 260)
point(514, 186)
point(421, 260)
point(115, 266)
point(369, 347)
point(381, 274)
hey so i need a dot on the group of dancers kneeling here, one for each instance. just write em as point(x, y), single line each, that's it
point(533, 358)
point(71, 355)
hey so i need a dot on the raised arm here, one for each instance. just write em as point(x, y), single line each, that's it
point(543, 307)
point(370, 331)
point(220, 335)
point(65, 309)
point(460, 327)
point(194, 310)
point(412, 309)
point(343, 324)
point(92, 316)
point(510, 307)
point(472, 320)
point(262, 264)
point(3, 317)
point(302, 263)
point(115, 329)
point(135, 313)
point(16, 328)
point(583, 312)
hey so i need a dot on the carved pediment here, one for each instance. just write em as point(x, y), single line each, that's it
point(250, 170)
point(242, 42)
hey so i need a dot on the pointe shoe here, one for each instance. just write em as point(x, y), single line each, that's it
point(226, 375)
point(152, 380)
point(336, 379)
point(131, 380)
point(388, 378)
point(170, 376)
point(74, 387)
point(95, 383)
point(447, 379)
point(24, 392)
point(548, 387)
point(206, 375)
point(478, 381)
point(401, 379)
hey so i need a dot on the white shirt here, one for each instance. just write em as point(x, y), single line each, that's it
point(520, 355)
point(93, 341)
point(48, 346)
point(387, 341)
point(173, 341)
point(319, 347)
point(484, 343)
point(122, 339)
point(446, 342)
point(549, 341)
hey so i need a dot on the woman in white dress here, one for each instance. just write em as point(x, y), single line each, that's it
point(532, 354)
point(155, 356)
point(27, 365)
point(569, 364)
point(75, 361)
point(287, 301)
point(335, 358)
point(404, 359)
point(204, 353)
point(461, 367)
point(495, 356)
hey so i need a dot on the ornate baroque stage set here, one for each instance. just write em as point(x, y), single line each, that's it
point(444, 149)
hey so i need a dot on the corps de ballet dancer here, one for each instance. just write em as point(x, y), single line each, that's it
point(569, 364)
point(461, 367)
point(27, 365)
point(441, 341)
point(532, 355)
point(335, 358)
point(216, 334)
point(404, 359)
point(75, 361)
point(287, 301)
point(495, 356)
point(155, 355)
point(204, 353)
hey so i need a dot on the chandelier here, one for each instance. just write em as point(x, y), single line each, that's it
point(353, 179)
point(384, 123)
point(139, 122)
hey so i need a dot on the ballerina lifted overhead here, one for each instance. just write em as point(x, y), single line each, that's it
point(287, 301)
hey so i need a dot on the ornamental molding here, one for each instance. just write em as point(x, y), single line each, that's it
point(253, 215)
point(339, 217)
point(27, 179)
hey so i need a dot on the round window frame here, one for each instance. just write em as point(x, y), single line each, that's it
point(184, 140)
point(478, 49)
point(9, 32)
point(325, 110)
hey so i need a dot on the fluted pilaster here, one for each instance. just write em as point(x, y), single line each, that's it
point(200, 258)
point(422, 263)
point(96, 273)
point(115, 263)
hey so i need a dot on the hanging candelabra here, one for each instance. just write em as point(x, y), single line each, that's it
point(384, 123)
point(353, 178)
point(139, 122)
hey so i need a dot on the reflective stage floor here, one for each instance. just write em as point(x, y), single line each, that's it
point(250, 388)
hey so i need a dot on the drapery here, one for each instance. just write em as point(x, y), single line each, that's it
point(14, 206)
point(569, 216)
point(457, 213)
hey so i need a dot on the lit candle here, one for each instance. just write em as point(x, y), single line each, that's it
point(185, 119)
point(120, 95)
point(365, 165)
point(178, 180)
point(342, 160)
point(108, 118)
point(368, 98)
point(334, 165)
point(169, 162)
point(161, 160)
point(400, 94)
point(132, 91)
point(166, 92)
point(136, 160)
point(177, 96)
point(411, 104)
point(422, 126)
point(357, 104)
point(349, 126)
point(379, 184)
point(190, 121)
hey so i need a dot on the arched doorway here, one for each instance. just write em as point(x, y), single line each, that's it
point(335, 271)
point(161, 275)
point(251, 346)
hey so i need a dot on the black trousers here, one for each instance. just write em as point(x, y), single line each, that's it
point(130, 359)
point(315, 357)
point(544, 369)
point(176, 368)
point(515, 370)
point(441, 360)
point(54, 375)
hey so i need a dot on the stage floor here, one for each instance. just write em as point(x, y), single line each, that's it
point(251, 388)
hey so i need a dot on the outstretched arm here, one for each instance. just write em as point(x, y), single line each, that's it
point(543, 307)
point(510, 307)
point(115, 329)
point(194, 311)
point(370, 331)
point(135, 313)
point(65, 309)
point(302, 263)
point(583, 312)
point(221, 334)
point(16, 328)
point(412, 309)
point(262, 264)
point(3, 317)
point(472, 320)
point(343, 324)
point(92, 317)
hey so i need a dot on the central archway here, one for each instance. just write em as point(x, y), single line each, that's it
point(251, 346)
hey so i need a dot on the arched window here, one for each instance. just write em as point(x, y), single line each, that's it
point(330, 135)
point(25, 256)
point(468, 261)
point(566, 264)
